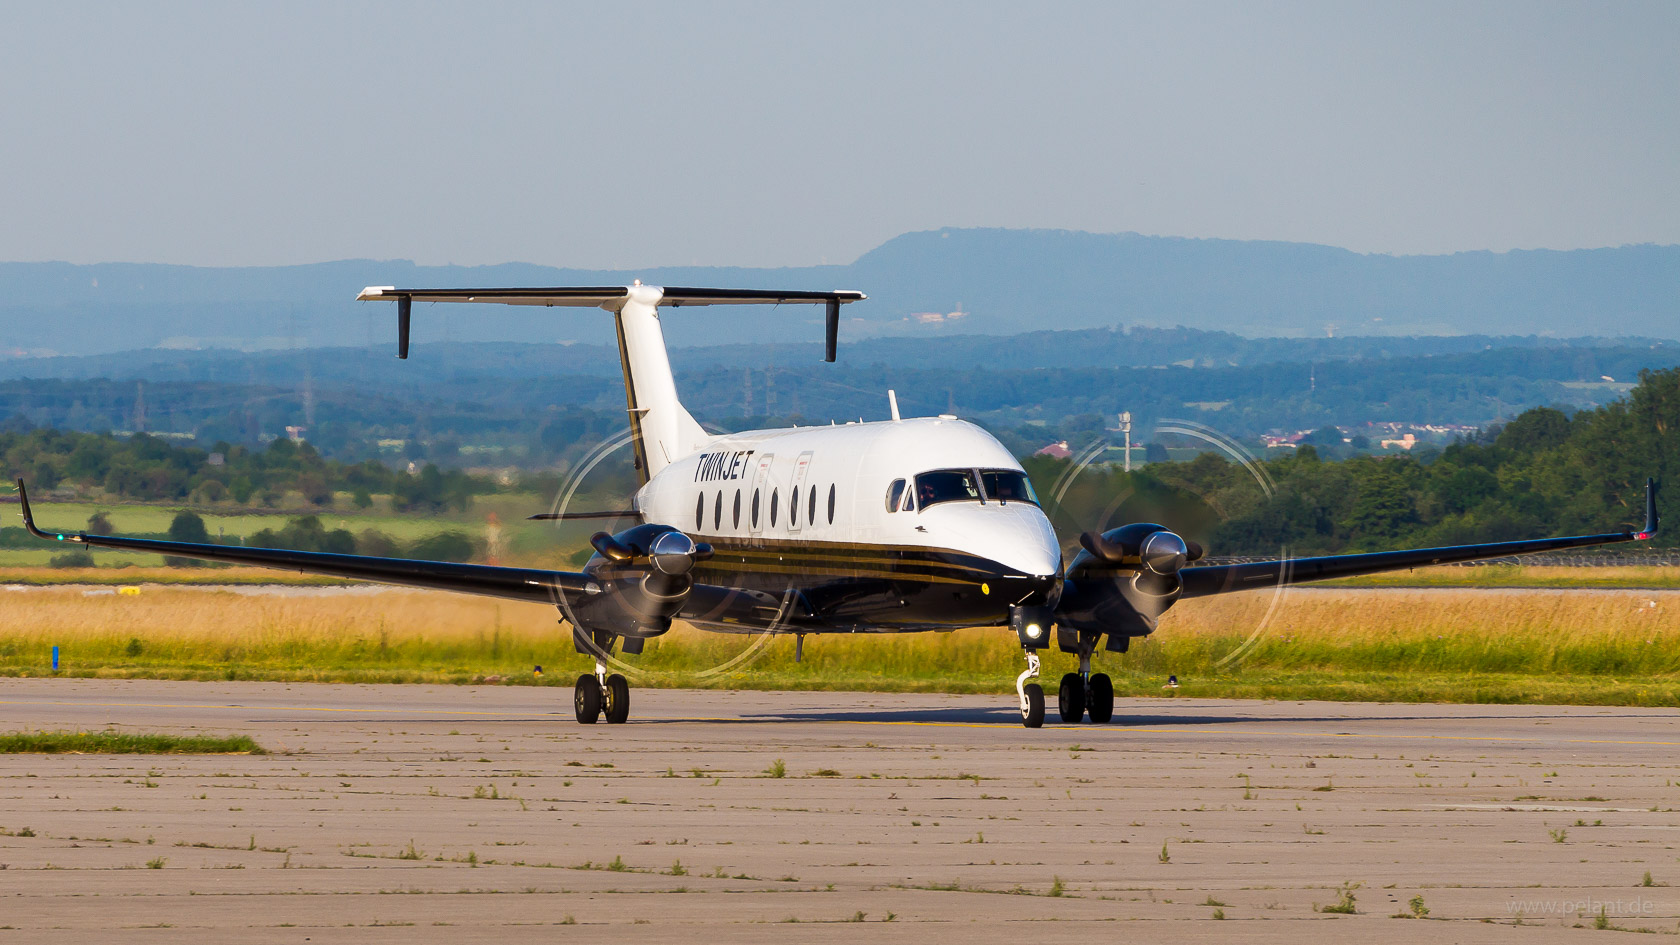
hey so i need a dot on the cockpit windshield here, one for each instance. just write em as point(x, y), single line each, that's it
point(960, 485)
point(1007, 485)
point(946, 485)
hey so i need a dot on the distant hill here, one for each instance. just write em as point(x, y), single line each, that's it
point(981, 281)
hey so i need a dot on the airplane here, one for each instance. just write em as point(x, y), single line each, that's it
point(902, 525)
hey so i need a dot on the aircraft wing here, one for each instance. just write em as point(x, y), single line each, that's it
point(1222, 579)
point(711, 606)
point(528, 584)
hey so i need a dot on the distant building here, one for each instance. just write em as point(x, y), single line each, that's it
point(1057, 450)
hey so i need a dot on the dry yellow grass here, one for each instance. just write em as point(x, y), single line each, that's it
point(1392, 644)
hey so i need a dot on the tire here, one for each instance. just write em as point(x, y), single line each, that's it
point(617, 707)
point(1070, 698)
point(1032, 715)
point(586, 698)
point(1101, 699)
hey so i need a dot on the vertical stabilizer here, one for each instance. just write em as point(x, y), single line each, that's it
point(663, 430)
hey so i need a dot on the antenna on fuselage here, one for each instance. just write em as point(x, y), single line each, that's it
point(892, 401)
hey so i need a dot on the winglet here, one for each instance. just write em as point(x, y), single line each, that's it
point(1649, 531)
point(29, 519)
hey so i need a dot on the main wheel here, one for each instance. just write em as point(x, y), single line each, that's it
point(617, 706)
point(1070, 698)
point(1032, 714)
point(586, 698)
point(1100, 699)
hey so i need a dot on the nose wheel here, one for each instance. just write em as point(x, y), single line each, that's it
point(1032, 694)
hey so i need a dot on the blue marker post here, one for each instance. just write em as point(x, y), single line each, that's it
point(55, 659)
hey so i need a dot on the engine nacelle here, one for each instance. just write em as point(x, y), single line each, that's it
point(1124, 580)
point(643, 576)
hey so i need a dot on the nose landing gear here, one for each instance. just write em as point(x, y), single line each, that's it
point(1032, 694)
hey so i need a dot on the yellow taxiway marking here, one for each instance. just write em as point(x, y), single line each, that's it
point(1192, 726)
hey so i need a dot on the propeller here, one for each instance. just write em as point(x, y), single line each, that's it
point(1154, 547)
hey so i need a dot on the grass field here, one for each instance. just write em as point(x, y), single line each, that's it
point(1608, 647)
point(124, 743)
point(525, 541)
point(1514, 575)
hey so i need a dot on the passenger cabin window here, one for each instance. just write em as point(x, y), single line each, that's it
point(793, 509)
point(700, 512)
point(737, 508)
point(811, 507)
point(831, 496)
point(717, 512)
point(894, 493)
point(1008, 485)
point(946, 485)
point(775, 499)
point(754, 513)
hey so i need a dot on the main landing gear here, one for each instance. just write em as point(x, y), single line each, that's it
point(600, 694)
point(1084, 694)
point(1081, 694)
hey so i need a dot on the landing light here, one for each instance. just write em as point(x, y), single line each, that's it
point(1034, 631)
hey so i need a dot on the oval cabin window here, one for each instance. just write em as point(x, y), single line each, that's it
point(775, 496)
point(811, 508)
point(717, 512)
point(737, 524)
point(753, 515)
point(894, 493)
point(831, 496)
point(700, 513)
point(793, 508)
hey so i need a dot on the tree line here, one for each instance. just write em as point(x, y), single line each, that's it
point(1546, 472)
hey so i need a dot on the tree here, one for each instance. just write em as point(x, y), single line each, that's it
point(1383, 507)
point(187, 528)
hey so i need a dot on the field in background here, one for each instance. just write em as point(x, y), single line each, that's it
point(524, 542)
point(1599, 647)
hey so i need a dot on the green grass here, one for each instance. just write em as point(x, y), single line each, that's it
point(124, 743)
point(1436, 646)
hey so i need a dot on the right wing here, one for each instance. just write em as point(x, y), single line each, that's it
point(530, 584)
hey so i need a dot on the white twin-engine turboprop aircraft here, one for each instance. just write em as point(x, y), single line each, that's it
point(903, 525)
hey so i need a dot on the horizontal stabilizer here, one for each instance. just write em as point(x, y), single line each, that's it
point(612, 298)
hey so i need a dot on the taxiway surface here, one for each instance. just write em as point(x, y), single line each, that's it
point(454, 814)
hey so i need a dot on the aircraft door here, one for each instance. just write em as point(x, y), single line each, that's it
point(798, 507)
point(758, 500)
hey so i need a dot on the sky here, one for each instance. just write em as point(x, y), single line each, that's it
point(627, 135)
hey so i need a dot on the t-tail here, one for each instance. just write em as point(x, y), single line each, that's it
point(662, 430)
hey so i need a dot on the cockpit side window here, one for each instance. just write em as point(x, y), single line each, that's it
point(946, 485)
point(894, 492)
point(1008, 485)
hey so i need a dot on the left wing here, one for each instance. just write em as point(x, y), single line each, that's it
point(1221, 579)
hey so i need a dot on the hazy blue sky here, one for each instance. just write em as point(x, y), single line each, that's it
point(761, 134)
